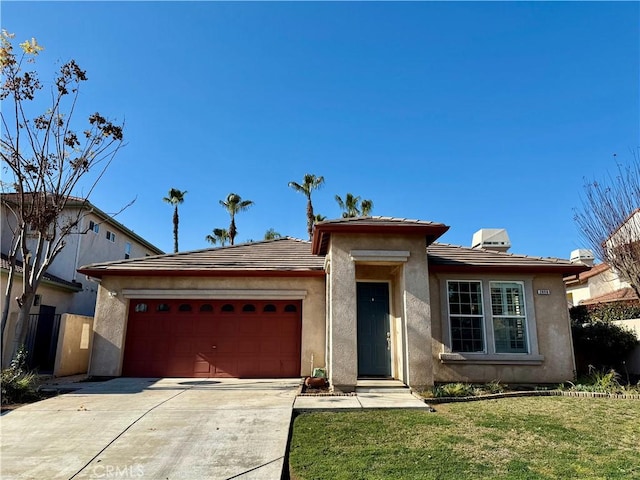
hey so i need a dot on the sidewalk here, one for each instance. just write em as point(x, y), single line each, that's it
point(369, 394)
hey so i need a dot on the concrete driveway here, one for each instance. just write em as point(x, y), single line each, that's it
point(152, 429)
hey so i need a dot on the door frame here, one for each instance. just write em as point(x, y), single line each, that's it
point(392, 351)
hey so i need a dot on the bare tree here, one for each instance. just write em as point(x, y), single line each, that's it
point(45, 161)
point(609, 220)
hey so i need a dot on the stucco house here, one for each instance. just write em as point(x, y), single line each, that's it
point(367, 297)
point(63, 291)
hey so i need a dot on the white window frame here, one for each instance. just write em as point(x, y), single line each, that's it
point(127, 250)
point(522, 315)
point(94, 227)
point(481, 316)
point(111, 236)
point(490, 355)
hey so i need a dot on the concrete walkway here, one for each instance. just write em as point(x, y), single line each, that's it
point(174, 428)
point(152, 429)
point(370, 394)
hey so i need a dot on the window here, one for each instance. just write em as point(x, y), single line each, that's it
point(249, 308)
point(127, 250)
point(111, 236)
point(489, 321)
point(509, 317)
point(185, 307)
point(207, 307)
point(290, 308)
point(270, 308)
point(227, 307)
point(163, 307)
point(466, 317)
point(94, 227)
point(141, 307)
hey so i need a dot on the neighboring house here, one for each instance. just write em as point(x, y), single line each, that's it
point(63, 289)
point(599, 284)
point(368, 297)
point(602, 284)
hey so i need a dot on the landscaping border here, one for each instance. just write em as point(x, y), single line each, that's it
point(533, 393)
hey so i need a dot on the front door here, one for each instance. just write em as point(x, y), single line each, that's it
point(374, 345)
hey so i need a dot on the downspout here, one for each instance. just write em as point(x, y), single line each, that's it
point(80, 236)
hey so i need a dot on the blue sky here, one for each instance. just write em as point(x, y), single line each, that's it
point(471, 114)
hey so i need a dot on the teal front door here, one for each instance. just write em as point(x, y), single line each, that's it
point(374, 346)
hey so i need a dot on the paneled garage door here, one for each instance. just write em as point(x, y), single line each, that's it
point(221, 338)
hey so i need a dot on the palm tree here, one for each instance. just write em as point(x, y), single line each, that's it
point(234, 204)
point(271, 234)
point(319, 218)
point(365, 207)
point(220, 235)
point(308, 185)
point(349, 205)
point(175, 198)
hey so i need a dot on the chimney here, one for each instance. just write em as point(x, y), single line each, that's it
point(494, 239)
point(583, 256)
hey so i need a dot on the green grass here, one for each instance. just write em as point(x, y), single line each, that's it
point(518, 438)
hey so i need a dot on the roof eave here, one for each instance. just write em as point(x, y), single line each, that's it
point(564, 270)
point(100, 273)
point(322, 233)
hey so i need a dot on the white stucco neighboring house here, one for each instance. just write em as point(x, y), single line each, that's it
point(367, 297)
point(98, 238)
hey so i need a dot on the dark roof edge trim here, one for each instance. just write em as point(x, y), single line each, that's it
point(100, 273)
point(549, 268)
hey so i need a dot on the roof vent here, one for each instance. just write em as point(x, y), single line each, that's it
point(582, 255)
point(495, 239)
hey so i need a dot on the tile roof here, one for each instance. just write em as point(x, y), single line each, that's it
point(620, 295)
point(378, 221)
point(283, 256)
point(402, 226)
point(445, 257)
point(293, 257)
point(48, 278)
point(583, 277)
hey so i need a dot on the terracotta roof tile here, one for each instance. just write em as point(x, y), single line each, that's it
point(622, 294)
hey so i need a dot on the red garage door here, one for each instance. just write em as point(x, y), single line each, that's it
point(198, 338)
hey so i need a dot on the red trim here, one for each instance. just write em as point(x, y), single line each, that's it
point(202, 273)
point(522, 269)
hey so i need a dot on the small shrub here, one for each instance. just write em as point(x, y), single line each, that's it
point(465, 389)
point(602, 381)
point(601, 344)
point(494, 387)
point(453, 390)
point(18, 385)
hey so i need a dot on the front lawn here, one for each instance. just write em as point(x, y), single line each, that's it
point(518, 438)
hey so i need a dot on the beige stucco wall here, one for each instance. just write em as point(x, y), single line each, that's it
point(74, 345)
point(410, 316)
point(550, 341)
point(110, 321)
point(49, 295)
point(600, 284)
